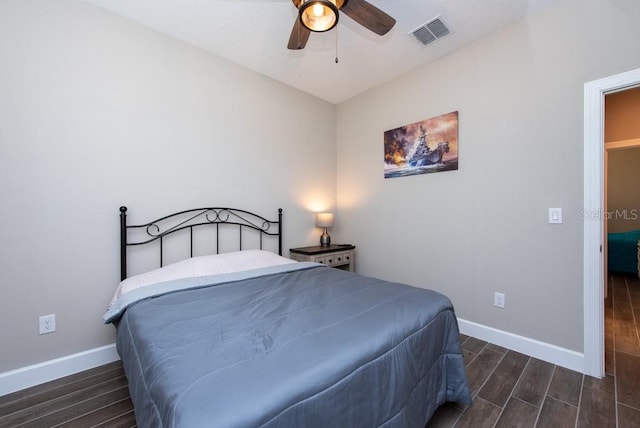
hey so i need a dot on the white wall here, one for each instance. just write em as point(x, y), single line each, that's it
point(98, 112)
point(483, 228)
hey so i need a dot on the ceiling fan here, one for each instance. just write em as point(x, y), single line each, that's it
point(322, 15)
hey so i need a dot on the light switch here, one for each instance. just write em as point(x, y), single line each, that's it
point(555, 215)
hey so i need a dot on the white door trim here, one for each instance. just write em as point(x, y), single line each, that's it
point(593, 214)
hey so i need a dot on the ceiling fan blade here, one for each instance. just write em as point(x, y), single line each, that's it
point(299, 36)
point(369, 16)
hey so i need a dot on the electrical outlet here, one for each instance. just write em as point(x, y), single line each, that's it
point(47, 324)
point(498, 299)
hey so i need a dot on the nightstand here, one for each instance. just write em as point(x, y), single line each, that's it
point(339, 256)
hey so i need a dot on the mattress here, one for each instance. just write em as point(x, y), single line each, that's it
point(289, 346)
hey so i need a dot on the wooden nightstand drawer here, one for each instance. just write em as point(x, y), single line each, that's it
point(337, 256)
point(317, 259)
point(331, 260)
point(345, 257)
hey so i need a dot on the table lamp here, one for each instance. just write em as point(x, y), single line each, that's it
point(324, 220)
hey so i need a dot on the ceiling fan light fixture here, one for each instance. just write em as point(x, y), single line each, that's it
point(319, 15)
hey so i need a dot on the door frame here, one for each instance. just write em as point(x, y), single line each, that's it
point(593, 214)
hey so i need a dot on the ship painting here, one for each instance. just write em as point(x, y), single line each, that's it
point(422, 147)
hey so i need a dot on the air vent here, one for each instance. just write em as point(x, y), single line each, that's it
point(430, 31)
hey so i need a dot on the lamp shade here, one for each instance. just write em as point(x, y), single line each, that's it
point(324, 219)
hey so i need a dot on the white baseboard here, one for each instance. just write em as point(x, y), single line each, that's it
point(543, 351)
point(36, 374)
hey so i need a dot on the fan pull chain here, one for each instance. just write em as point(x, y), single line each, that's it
point(336, 45)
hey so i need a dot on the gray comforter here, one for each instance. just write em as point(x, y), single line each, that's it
point(300, 345)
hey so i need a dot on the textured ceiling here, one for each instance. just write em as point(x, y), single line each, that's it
point(254, 34)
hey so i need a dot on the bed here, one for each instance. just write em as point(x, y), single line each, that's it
point(622, 255)
point(248, 338)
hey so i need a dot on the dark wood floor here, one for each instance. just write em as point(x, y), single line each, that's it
point(94, 398)
point(509, 389)
point(513, 390)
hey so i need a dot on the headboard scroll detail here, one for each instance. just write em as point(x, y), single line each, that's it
point(192, 219)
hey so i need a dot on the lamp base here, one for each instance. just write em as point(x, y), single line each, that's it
point(325, 239)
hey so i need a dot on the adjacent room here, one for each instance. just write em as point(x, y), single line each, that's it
point(444, 147)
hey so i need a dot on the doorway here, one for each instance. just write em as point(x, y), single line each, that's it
point(621, 142)
point(593, 215)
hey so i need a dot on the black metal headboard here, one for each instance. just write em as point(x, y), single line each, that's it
point(194, 218)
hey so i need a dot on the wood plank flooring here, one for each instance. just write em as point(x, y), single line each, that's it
point(94, 398)
point(509, 389)
point(513, 390)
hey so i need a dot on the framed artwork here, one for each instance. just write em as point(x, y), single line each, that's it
point(423, 147)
